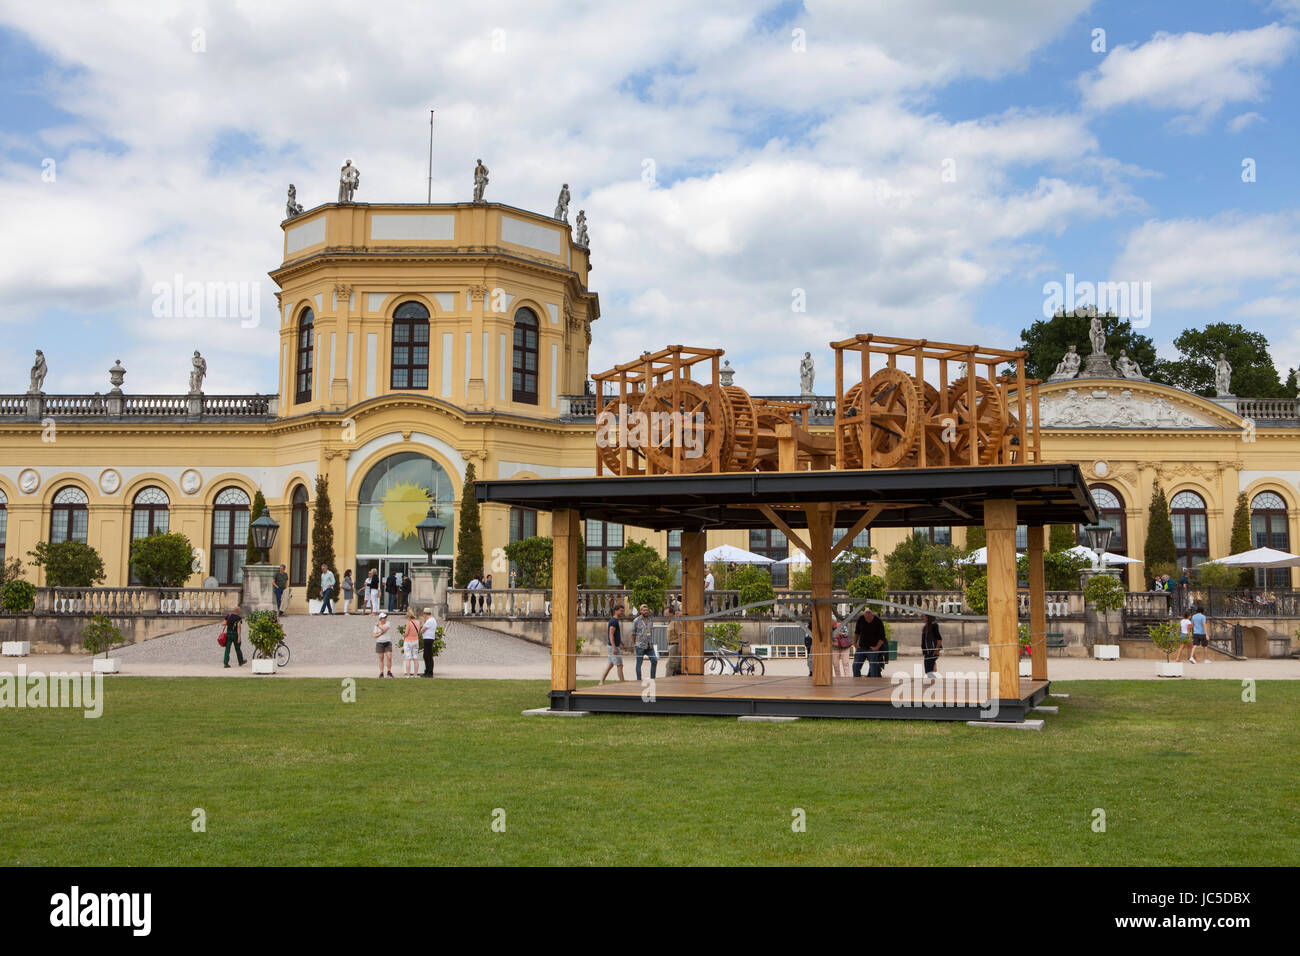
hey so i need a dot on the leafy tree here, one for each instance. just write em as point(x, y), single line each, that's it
point(801, 577)
point(1240, 540)
point(753, 583)
point(721, 576)
point(637, 560)
point(852, 563)
point(1047, 340)
point(1061, 537)
point(1060, 570)
point(977, 595)
point(264, 631)
point(1292, 387)
point(918, 564)
point(17, 595)
point(867, 586)
point(533, 558)
point(68, 564)
point(1159, 554)
point(163, 560)
point(252, 555)
point(10, 570)
point(976, 537)
point(1253, 372)
point(649, 589)
point(100, 634)
point(469, 538)
point(598, 577)
point(1218, 575)
point(1104, 593)
point(322, 536)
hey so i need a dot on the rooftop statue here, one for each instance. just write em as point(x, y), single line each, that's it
point(562, 204)
point(582, 239)
point(198, 373)
point(806, 374)
point(1068, 367)
point(480, 180)
point(292, 207)
point(349, 180)
point(38, 373)
point(1222, 377)
point(1127, 367)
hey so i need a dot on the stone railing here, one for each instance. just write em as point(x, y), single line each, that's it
point(499, 602)
point(1269, 409)
point(135, 602)
point(117, 406)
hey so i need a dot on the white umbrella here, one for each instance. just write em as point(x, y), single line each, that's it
point(980, 556)
point(800, 558)
point(1260, 558)
point(1106, 556)
point(729, 554)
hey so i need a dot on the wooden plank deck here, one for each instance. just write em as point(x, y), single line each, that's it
point(854, 697)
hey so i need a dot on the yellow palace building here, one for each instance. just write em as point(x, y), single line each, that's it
point(418, 339)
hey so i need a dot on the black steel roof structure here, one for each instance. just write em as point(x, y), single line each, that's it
point(909, 497)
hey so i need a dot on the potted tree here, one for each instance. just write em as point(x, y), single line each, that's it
point(17, 597)
point(101, 634)
point(264, 633)
point(1026, 665)
point(1166, 637)
point(1103, 595)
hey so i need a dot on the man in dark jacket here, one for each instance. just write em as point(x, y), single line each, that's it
point(931, 644)
point(869, 638)
point(390, 587)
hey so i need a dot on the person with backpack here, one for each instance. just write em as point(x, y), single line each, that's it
point(411, 645)
point(931, 644)
point(841, 647)
point(231, 633)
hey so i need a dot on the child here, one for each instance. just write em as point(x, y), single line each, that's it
point(1185, 628)
point(411, 645)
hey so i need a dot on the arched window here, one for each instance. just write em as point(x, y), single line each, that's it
point(229, 536)
point(303, 361)
point(4, 524)
point(298, 538)
point(70, 517)
point(524, 379)
point(149, 515)
point(410, 362)
point(1191, 530)
point(1268, 530)
point(1111, 506)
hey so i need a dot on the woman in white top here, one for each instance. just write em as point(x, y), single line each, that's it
point(384, 645)
point(1185, 629)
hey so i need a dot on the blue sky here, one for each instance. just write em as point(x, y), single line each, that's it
point(796, 146)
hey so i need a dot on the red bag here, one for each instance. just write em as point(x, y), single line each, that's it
point(221, 639)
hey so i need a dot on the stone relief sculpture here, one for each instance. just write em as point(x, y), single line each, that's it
point(562, 204)
point(1068, 367)
point(291, 206)
point(198, 373)
point(38, 374)
point(1222, 377)
point(480, 180)
point(806, 374)
point(349, 180)
point(1102, 408)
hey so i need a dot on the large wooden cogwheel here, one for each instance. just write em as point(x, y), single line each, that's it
point(699, 408)
point(742, 428)
point(987, 415)
point(612, 453)
point(895, 409)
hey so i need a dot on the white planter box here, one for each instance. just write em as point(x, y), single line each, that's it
point(17, 648)
point(313, 606)
point(1170, 669)
point(262, 665)
point(984, 651)
point(1105, 652)
point(100, 665)
point(1026, 668)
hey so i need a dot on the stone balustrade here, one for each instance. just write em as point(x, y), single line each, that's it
point(112, 406)
point(133, 602)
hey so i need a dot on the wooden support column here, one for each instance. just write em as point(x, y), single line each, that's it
point(1004, 619)
point(820, 522)
point(567, 536)
point(1037, 602)
point(692, 632)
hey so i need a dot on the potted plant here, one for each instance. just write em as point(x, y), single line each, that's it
point(1103, 595)
point(264, 633)
point(1026, 666)
point(17, 597)
point(101, 634)
point(1166, 637)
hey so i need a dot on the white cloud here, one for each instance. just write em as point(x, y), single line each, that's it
point(1245, 120)
point(1195, 73)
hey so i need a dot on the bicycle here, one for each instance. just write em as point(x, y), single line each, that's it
point(281, 654)
point(720, 658)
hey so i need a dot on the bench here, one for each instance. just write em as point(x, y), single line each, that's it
point(1056, 642)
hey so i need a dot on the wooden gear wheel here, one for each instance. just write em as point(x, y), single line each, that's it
point(895, 407)
point(612, 454)
point(932, 428)
point(987, 415)
point(742, 429)
point(700, 407)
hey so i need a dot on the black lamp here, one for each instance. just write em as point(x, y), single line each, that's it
point(264, 530)
point(430, 531)
point(1099, 538)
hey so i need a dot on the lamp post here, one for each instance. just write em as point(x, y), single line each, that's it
point(1098, 540)
point(429, 582)
point(430, 531)
point(264, 530)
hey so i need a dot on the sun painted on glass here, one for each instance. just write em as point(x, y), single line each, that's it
point(403, 507)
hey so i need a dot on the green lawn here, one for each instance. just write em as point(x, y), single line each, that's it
point(412, 772)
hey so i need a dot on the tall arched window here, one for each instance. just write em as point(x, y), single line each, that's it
point(1268, 530)
point(1191, 528)
point(303, 360)
point(149, 515)
point(229, 536)
point(1111, 506)
point(70, 517)
point(410, 361)
point(524, 378)
point(298, 538)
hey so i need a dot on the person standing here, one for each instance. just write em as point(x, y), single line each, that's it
point(1200, 636)
point(472, 598)
point(643, 641)
point(429, 632)
point(278, 584)
point(931, 644)
point(406, 591)
point(1185, 633)
point(411, 645)
point(708, 590)
point(614, 645)
point(384, 644)
point(487, 598)
point(869, 635)
point(841, 645)
point(390, 588)
point(327, 582)
point(372, 591)
point(348, 589)
point(233, 621)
